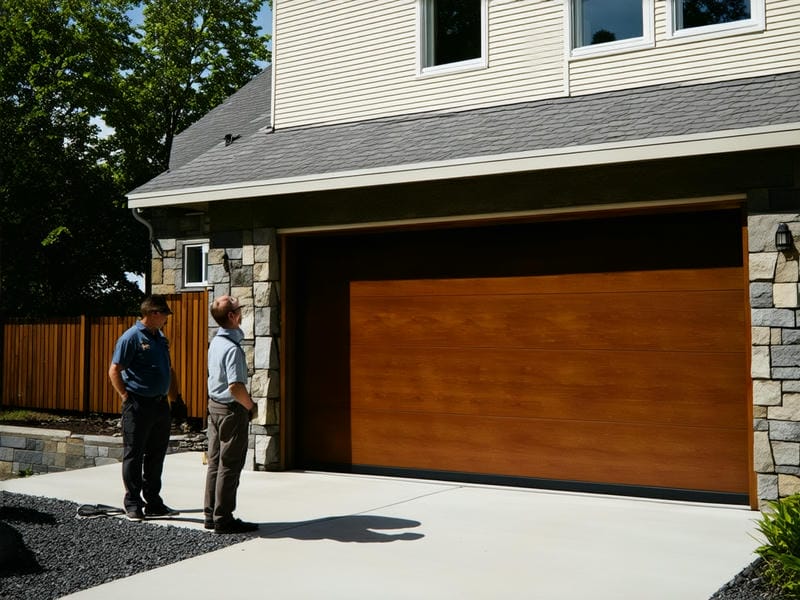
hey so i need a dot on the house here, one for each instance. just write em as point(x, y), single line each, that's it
point(529, 242)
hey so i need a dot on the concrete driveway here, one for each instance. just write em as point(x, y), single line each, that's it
point(326, 535)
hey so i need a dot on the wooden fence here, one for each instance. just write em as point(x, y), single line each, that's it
point(63, 364)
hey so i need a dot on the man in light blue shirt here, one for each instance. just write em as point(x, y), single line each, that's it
point(229, 406)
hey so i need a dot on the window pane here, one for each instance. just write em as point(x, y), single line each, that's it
point(699, 13)
point(600, 21)
point(194, 264)
point(456, 32)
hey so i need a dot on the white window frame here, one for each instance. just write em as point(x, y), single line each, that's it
point(756, 22)
point(647, 39)
point(184, 257)
point(425, 43)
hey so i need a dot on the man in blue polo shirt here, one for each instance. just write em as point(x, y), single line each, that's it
point(142, 375)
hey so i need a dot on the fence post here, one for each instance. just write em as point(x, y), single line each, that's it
point(83, 363)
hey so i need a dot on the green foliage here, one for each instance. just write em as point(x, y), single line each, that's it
point(780, 527)
point(60, 67)
point(67, 238)
point(191, 55)
point(24, 414)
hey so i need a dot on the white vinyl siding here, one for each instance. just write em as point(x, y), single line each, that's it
point(347, 61)
point(343, 61)
point(710, 57)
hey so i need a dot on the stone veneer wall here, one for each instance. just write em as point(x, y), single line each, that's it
point(53, 450)
point(775, 368)
point(251, 272)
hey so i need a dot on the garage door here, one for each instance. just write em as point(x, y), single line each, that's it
point(606, 354)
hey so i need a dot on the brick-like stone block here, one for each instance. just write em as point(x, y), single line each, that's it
point(6, 454)
point(266, 450)
point(265, 293)
point(760, 336)
point(785, 356)
point(790, 336)
point(785, 295)
point(785, 373)
point(101, 460)
point(766, 393)
point(761, 294)
point(786, 453)
point(759, 362)
point(267, 321)
point(788, 485)
point(763, 461)
point(784, 431)
point(13, 441)
point(786, 269)
point(767, 487)
point(762, 266)
point(266, 353)
point(247, 255)
point(33, 457)
point(265, 272)
point(791, 386)
point(772, 317)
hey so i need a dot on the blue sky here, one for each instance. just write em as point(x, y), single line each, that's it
point(264, 17)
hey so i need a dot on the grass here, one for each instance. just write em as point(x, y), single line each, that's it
point(22, 414)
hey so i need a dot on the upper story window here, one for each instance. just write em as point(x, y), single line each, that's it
point(195, 264)
point(693, 17)
point(609, 25)
point(453, 35)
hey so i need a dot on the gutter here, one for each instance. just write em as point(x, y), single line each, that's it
point(718, 142)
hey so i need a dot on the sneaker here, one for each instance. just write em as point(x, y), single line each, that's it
point(160, 511)
point(236, 526)
point(135, 514)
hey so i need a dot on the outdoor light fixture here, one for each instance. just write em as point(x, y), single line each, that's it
point(783, 238)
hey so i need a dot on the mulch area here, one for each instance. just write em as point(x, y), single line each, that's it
point(96, 424)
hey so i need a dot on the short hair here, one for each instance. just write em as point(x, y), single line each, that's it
point(220, 309)
point(154, 303)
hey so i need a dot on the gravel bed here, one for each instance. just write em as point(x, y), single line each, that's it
point(46, 551)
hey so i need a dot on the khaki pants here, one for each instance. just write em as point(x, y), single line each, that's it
point(228, 429)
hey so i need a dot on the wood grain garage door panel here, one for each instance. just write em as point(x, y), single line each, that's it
point(578, 450)
point(619, 386)
point(556, 373)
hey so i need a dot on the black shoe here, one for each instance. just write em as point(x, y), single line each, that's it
point(208, 525)
point(160, 511)
point(236, 526)
point(135, 514)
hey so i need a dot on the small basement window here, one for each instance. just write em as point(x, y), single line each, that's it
point(195, 264)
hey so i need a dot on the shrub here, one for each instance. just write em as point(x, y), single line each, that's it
point(780, 527)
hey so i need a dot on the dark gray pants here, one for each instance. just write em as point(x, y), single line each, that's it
point(228, 428)
point(146, 424)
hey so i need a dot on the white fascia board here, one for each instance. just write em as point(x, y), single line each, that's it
point(718, 142)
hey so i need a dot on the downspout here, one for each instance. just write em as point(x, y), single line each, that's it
point(153, 241)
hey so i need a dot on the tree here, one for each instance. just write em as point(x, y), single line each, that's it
point(192, 54)
point(66, 238)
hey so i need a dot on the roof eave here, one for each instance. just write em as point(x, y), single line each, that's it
point(717, 142)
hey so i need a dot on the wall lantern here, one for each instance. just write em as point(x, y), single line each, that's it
point(783, 238)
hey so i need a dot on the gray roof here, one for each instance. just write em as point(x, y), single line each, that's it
point(243, 114)
point(634, 114)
